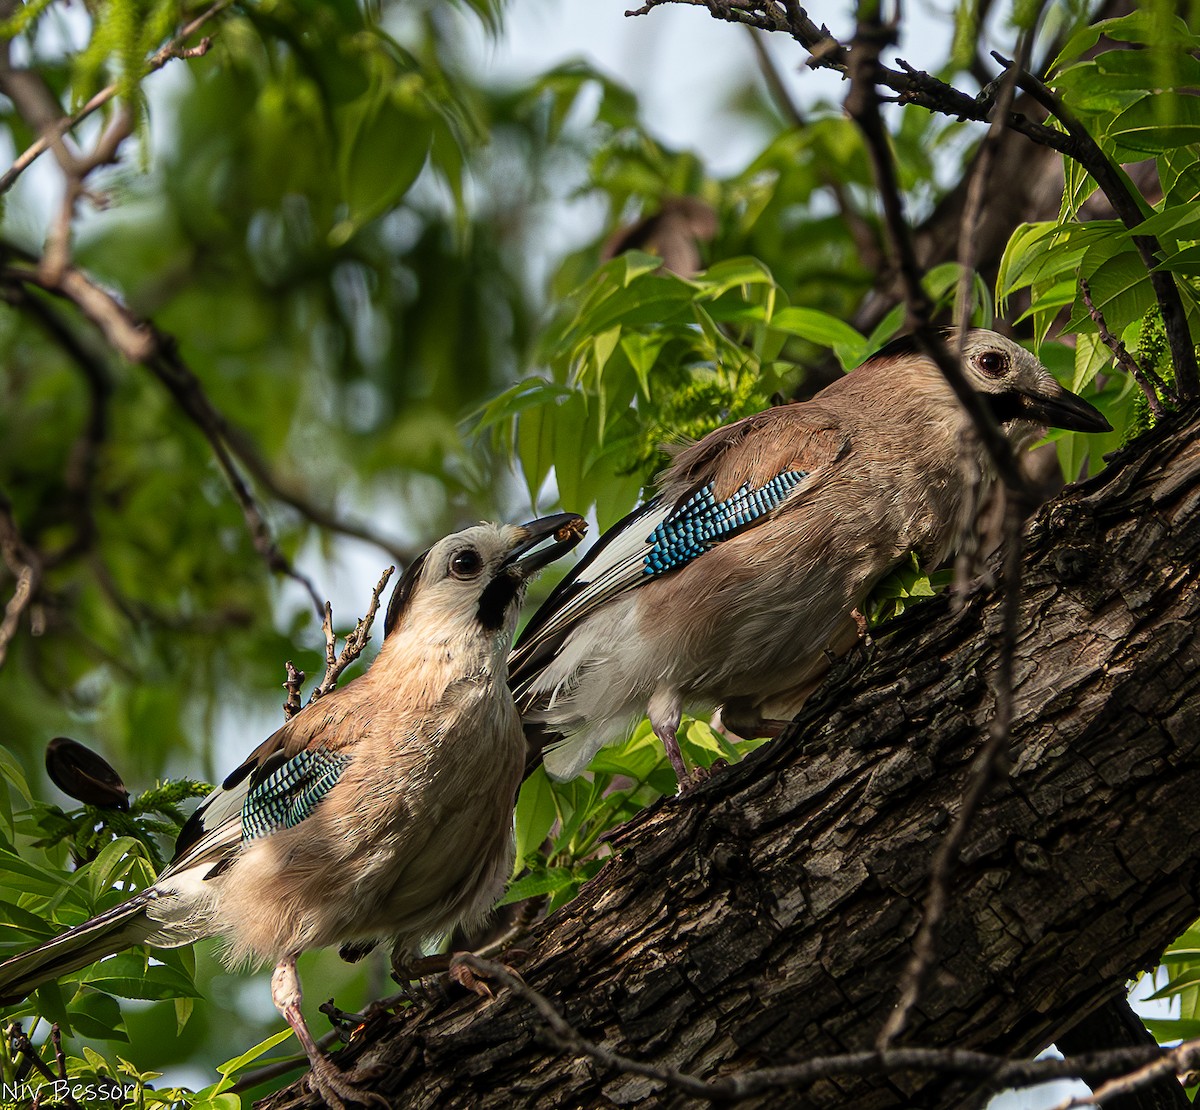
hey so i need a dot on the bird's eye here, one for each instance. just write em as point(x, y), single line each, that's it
point(992, 363)
point(466, 563)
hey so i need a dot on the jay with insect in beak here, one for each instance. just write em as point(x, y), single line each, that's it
point(382, 811)
point(733, 583)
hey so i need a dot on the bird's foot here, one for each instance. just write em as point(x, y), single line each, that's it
point(473, 978)
point(862, 624)
point(336, 1089)
point(697, 776)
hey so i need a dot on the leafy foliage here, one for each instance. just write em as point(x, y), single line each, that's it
point(346, 232)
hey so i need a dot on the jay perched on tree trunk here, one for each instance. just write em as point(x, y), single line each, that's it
point(730, 586)
point(383, 810)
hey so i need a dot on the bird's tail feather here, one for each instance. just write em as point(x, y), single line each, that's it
point(121, 927)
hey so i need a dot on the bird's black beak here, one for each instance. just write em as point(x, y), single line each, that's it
point(1066, 410)
point(565, 529)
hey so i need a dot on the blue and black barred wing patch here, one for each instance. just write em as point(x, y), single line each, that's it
point(290, 791)
point(702, 521)
point(626, 557)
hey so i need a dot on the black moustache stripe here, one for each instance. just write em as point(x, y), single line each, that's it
point(497, 596)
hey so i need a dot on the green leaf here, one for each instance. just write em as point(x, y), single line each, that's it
point(850, 346)
point(550, 881)
point(128, 975)
point(536, 814)
point(231, 1067)
point(97, 1015)
point(183, 1012)
point(1091, 356)
point(886, 329)
point(535, 447)
point(1158, 123)
point(1154, 25)
point(382, 147)
point(115, 861)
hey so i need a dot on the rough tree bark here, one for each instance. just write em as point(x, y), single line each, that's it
point(767, 916)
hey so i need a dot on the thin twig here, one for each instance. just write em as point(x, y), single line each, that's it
point(1151, 384)
point(1178, 1061)
point(59, 1056)
point(980, 178)
point(997, 1070)
point(25, 564)
point(22, 1043)
point(354, 644)
point(140, 342)
point(293, 685)
point(1116, 189)
point(862, 104)
point(978, 182)
point(913, 86)
point(83, 461)
point(173, 49)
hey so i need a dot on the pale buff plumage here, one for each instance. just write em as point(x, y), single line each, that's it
point(415, 834)
point(749, 624)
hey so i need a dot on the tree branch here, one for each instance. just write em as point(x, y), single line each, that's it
point(53, 132)
point(998, 1070)
point(1086, 151)
point(353, 647)
point(25, 565)
point(913, 86)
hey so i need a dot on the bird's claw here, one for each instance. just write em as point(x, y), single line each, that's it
point(697, 776)
point(336, 1090)
point(474, 979)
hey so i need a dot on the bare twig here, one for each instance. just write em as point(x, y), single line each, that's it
point(55, 131)
point(140, 342)
point(83, 460)
point(972, 210)
point(25, 564)
point(1113, 184)
point(22, 1044)
point(998, 1070)
point(57, 255)
point(59, 1057)
point(913, 86)
point(1151, 384)
point(358, 639)
point(1177, 1061)
point(293, 685)
point(980, 177)
point(862, 104)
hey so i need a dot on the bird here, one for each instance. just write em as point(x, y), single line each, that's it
point(735, 583)
point(383, 810)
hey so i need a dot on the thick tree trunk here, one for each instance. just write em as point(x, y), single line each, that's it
point(768, 916)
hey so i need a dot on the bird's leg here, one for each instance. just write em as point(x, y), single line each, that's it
point(325, 1078)
point(666, 711)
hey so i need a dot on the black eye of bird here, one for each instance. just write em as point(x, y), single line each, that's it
point(992, 363)
point(466, 563)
